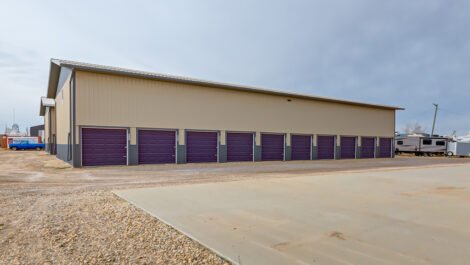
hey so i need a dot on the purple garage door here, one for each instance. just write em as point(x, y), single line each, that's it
point(157, 147)
point(326, 147)
point(301, 147)
point(201, 147)
point(348, 147)
point(239, 147)
point(385, 147)
point(104, 147)
point(272, 147)
point(367, 147)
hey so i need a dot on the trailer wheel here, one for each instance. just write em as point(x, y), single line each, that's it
point(14, 148)
point(38, 148)
point(450, 153)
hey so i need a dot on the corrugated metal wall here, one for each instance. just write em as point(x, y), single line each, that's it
point(46, 127)
point(62, 105)
point(49, 128)
point(110, 100)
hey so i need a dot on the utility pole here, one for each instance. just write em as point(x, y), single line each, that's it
point(435, 115)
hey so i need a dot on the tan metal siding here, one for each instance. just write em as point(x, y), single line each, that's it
point(46, 127)
point(63, 113)
point(111, 100)
point(53, 122)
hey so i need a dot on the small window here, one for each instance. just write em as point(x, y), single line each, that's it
point(399, 142)
point(427, 142)
point(440, 143)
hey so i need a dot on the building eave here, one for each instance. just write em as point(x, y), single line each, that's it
point(45, 102)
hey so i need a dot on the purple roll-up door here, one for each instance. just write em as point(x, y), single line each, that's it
point(301, 147)
point(272, 147)
point(239, 147)
point(326, 147)
point(385, 147)
point(201, 147)
point(157, 147)
point(348, 147)
point(367, 147)
point(104, 147)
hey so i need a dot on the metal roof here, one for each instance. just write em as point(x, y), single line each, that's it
point(46, 102)
point(56, 64)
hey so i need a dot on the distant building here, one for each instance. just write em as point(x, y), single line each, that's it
point(37, 130)
point(14, 131)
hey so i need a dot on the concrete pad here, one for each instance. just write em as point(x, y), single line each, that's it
point(407, 216)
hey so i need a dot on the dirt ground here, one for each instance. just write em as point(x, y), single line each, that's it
point(53, 214)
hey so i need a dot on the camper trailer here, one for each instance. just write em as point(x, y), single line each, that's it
point(421, 144)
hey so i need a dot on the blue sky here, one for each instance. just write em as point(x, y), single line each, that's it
point(405, 53)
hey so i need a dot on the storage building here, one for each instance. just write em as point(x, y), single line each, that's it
point(99, 115)
point(37, 130)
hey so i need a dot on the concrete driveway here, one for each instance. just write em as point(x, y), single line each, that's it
point(385, 216)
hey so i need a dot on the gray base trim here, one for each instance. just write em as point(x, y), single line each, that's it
point(62, 151)
point(181, 154)
point(51, 149)
point(314, 152)
point(77, 156)
point(338, 152)
point(288, 153)
point(257, 155)
point(133, 154)
point(358, 152)
point(222, 153)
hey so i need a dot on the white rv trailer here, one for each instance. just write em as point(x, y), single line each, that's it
point(421, 144)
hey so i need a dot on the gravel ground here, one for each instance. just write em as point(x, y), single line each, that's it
point(53, 214)
point(49, 223)
point(92, 227)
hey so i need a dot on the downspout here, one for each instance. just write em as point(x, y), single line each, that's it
point(69, 146)
point(54, 136)
point(72, 122)
point(49, 137)
point(71, 117)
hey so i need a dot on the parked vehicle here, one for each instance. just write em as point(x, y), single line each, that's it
point(25, 145)
point(421, 144)
point(455, 148)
